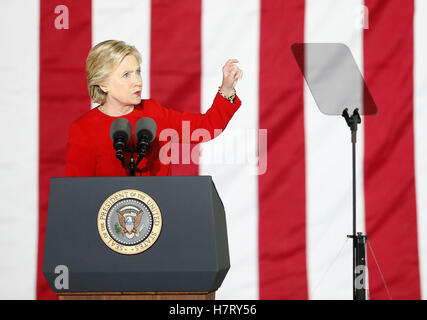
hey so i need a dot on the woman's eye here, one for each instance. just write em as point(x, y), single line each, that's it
point(125, 75)
point(138, 71)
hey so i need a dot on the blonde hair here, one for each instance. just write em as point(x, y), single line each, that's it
point(102, 60)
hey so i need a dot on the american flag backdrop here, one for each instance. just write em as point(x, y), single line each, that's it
point(287, 226)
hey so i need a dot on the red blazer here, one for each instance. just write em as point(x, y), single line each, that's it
point(90, 150)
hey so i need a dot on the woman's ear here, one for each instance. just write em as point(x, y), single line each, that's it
point(103, 88)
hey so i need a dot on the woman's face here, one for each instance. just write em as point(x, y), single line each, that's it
point(125, 83)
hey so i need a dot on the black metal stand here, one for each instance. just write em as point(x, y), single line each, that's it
point(359, 240)
point(132, 165)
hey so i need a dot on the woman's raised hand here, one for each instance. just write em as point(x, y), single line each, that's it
point(230, 74)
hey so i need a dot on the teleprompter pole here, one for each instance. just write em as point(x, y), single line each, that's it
point(359, 240)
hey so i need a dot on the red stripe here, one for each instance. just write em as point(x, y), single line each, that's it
point(282, 232)
point(389, 150)
point(63, 97)
point(175, 79)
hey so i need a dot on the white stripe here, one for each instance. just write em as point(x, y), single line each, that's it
point(328, 162)
point(19, 69)
point(420, 118)
point(129, 21)
point(230, 29)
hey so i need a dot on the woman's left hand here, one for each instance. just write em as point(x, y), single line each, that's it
point(230, 74)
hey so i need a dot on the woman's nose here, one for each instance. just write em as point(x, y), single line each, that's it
point(137, 80)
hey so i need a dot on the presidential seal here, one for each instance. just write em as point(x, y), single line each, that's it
point(129, 221)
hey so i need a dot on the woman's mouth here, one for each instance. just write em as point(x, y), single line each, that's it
point(138, 93)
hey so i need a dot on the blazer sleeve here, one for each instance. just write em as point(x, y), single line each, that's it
point(202, 127)
point(80, 158)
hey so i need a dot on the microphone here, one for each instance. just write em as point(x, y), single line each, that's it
point(145, 132)
point(120, 133)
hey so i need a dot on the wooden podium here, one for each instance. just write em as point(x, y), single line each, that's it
point(138, 296)
point(142, 238)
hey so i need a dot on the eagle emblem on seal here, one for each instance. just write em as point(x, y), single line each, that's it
point(129, 223)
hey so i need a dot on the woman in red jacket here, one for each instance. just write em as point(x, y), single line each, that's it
point(114, 81)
